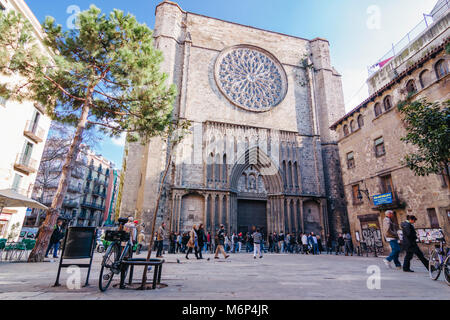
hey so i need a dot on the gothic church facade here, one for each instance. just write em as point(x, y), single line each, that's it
point(260, 151)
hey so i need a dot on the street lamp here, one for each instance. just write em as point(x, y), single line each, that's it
point(360, 196)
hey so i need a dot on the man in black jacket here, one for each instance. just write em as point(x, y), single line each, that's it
point(56, 237)
point(221, 243)
point(410, 244)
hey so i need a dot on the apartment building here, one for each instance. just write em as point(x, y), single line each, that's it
point(23, 130)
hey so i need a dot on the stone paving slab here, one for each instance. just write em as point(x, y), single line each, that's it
point(275, 277)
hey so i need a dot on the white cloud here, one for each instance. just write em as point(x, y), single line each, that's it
point(120, 141)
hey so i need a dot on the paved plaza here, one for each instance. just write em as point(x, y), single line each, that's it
point(275, 277)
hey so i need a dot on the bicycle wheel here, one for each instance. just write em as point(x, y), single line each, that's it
point(435, 265)
point(107, 271)
point(447, 270)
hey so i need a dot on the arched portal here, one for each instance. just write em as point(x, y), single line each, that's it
point(256, 180)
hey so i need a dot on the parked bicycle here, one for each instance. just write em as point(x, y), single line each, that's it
point(120, 249)
point(440, 261)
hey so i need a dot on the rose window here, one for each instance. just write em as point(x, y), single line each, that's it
point(251, 78)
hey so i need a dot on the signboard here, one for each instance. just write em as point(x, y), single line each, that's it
point(385, 198)
point(28, 212)
point(79, 242)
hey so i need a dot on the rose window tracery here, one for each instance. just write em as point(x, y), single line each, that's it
point(251, 78)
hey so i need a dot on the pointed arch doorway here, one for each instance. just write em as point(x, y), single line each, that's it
point(255, 178)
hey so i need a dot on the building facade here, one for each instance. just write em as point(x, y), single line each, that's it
point(260, 151)
point(88, 196)
point(23, 129)
point(371, 149)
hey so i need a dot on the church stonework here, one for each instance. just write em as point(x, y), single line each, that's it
point(260, 151)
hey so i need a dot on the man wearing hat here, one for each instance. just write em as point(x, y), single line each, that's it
point(410, 244)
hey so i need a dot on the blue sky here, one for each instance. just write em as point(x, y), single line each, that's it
point(360, 31)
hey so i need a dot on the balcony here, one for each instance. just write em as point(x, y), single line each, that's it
point(74, 188)
point(25, 164)
point(78, 173)
point(71, 204)
point(98, 182)
point(34, 132)
point(99, 193)
point(92, 205)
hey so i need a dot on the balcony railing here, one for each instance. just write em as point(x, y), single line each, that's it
point(408, 38)
point(34, 132)
point(78, 173)
point(71, 203)
point(74, 188)
point(99, 193)
point(25, 164)
point(92, 205)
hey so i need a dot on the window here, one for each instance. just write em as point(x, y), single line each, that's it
point(424, 78)
point(379, 147)
point(377, 110)
point(411, 87)
point(346, 130)
point(3, 102)
point(360, 121)
point(355, 194)
point(441, 69)
point(350, 160)
point(352, 126)
point(388, 103)
point(434, 222)
point(386, 184)
point(16, 182)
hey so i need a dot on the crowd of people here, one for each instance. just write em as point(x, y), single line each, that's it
point(199, 241)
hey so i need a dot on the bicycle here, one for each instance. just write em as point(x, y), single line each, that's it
point(112, 263)
point(440, 261)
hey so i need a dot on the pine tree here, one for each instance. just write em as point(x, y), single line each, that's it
point(103, 74)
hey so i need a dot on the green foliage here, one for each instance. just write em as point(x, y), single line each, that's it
point(427, 126)
point(109, 64)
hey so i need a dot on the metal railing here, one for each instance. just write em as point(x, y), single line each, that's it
point(93, 205)
point(78, 173)
point(34, 132)
point(25, 162)
point(409, 37)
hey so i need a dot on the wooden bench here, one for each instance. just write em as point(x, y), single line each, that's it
point(157, 263)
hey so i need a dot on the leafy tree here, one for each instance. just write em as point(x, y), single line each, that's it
point(104, 74)
point(428, 129)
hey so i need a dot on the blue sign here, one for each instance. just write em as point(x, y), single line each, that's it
point(385, 198)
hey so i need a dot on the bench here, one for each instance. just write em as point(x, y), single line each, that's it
point(157, 263)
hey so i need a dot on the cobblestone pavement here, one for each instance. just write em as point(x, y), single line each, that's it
point(275, 277)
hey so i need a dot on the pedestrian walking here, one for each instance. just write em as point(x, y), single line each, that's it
point(160, 236)
point(330, 244)
point(348, 243)
point(410, 244)
point(192, 243)
point(340, 244)
point(220, 243)
point(390, 232)
point(141, 241)
point(55, 238)
point(281, 241)
point(320, 245)
point(257, 239)
point(201, 239)
point(305, 243)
